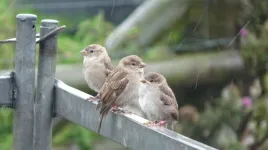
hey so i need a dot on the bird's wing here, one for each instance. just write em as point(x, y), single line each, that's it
point(113, 87)
point(170, 101)
point(108, 64)
point(167, 91)
point(173, 110)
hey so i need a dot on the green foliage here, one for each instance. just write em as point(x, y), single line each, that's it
point(75, 134)
point(176, 33)
point(158, 52)
point(92, 30)
point(7, 30)
point(255, 50)
point(89, 31)
point(256, 47)
point(219, 123)
point(6, 138)
point(68, 50)
point(258, 15)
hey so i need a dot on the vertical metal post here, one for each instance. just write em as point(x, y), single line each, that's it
point(25, 79)
point(45, 85)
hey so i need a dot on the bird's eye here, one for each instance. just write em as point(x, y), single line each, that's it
point(133, 64)
point(91, 51)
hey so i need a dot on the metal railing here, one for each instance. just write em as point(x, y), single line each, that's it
point(34, 113)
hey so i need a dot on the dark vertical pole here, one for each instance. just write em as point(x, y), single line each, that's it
point(45, 84)
point(25, 79)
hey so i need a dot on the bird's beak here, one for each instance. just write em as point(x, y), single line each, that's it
point(83, 52)
point(144, 81)
point(142, 65)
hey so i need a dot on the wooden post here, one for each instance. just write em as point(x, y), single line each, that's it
point(45, 84)
point(25, 79)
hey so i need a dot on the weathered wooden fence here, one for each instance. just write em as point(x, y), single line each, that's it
point(34, 110)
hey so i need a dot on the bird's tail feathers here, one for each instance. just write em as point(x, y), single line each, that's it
point(100, 122)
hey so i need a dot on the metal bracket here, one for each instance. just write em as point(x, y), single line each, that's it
point(50, 34)
point(38, 39)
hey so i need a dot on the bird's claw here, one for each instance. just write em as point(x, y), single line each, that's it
point(92, 99)
point(115, 108)
point(155, 123)
point(95, 98)
point(162, 123)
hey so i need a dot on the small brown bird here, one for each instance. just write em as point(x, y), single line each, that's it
point(157, 100)
point(96, 66)
point(188, 114)
point(121, 87)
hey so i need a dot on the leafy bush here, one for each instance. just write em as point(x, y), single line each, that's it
point(89, 31)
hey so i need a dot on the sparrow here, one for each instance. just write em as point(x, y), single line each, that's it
point(158, 101)
point(96, 66)
point(188, 114)
point(121, 88)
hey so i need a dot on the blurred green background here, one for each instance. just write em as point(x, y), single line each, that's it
point(224, 104)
